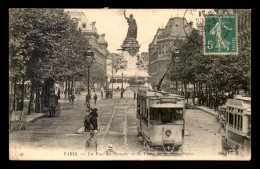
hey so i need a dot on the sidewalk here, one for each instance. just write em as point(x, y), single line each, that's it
point(208, 110)
point(30, 117)
point(33, 116)
point(203, 108)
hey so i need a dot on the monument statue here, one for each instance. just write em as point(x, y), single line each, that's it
point(132, 28)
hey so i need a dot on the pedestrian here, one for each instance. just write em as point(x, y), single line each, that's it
point(95, 98)
point(110, 150)
point(134, 95)
point(101, 93)
point(72, 98)
point(222, 122)
point(58, 93)
point(122, 93)
point(86, 121)
point(196, 100)
point(193, 99)
point(91, 143)
point(93, 119)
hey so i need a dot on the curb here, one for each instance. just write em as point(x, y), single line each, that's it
point(206, 111)
point(36, 118)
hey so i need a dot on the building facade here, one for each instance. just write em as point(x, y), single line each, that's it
point(96, 40)
point(159, 55)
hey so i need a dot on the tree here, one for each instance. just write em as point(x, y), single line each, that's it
point(44, 43)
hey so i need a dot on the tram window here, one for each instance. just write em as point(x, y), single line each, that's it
point(240, 124)
point(226, 118)
point(230, 119)
point(235, 126)
point(249, 126)
point(166, 115)
point(177, 114)
point(154, 116)
point(138, 108)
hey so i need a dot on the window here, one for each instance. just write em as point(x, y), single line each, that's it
point(235, 119)
point(165, 115)
point(84, 25)
point(178, 114)
point(249, 126)
point(230, 121)
point(119, 80)
point(154, 114)
point(114, 81)
point(235, 124)
point(241, 122)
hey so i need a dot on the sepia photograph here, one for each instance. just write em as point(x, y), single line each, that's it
point(129, 84)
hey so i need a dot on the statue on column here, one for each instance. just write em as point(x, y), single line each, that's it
point(132, 28)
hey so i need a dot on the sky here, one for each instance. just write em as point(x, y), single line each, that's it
point(112, 23)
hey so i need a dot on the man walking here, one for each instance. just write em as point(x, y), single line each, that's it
point(95, 98)
point(122, 93)
point(72, 98)
point(91, 143)
point(101, 92)
point(222, 122)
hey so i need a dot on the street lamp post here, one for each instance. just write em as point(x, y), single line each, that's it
point(89, 56)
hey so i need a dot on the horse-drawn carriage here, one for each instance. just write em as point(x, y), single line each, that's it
point(51, 107)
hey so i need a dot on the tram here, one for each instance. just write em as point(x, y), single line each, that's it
point(238, 128)
point(160, 121)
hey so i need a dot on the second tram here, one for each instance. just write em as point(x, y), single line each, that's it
point(238, 128)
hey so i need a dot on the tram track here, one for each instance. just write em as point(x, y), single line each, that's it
point(108, 126)
point(107, 132)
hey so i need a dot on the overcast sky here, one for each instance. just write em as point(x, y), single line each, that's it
point(114, 25)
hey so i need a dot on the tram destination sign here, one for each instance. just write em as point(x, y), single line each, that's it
point(233, 102)
point(169, 100)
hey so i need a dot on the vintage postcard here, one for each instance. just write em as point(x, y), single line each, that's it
point(129, 84)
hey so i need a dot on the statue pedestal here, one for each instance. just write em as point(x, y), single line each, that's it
point(131, 45)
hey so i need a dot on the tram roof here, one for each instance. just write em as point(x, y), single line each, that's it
point(159, 94)
point(243, 98)
point(166, 105)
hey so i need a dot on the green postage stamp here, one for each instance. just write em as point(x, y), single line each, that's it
point(220, 35)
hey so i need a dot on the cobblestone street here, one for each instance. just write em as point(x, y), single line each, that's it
point(117, 125)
